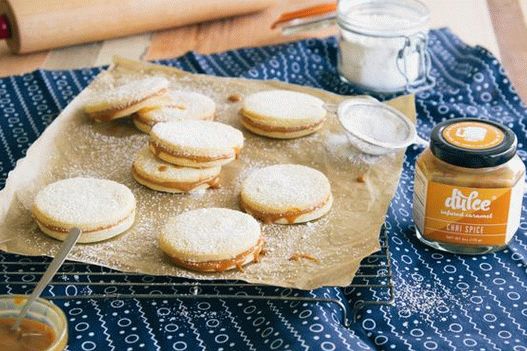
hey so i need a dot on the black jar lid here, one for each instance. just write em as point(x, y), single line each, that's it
point(473, 143)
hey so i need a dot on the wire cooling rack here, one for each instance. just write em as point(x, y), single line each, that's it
point(373, 284)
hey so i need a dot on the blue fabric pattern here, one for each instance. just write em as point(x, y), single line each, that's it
point(442, 301)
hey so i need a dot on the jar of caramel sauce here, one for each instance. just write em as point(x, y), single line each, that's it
point(468, 187)
point(45, 327)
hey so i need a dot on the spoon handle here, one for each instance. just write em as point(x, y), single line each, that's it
point(54, 266)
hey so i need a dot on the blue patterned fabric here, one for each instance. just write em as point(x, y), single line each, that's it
point(442, 301)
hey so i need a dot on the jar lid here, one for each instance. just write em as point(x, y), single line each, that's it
point(473, 143)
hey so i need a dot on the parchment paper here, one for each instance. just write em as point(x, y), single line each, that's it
point(75, 146)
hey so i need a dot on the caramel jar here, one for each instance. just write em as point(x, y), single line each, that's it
point(468, 187)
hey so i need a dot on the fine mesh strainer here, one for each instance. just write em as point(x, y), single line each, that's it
point(360, 119)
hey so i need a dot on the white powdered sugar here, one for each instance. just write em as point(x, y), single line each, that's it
point(377, 124)
point(339, 146)
point(370, 54)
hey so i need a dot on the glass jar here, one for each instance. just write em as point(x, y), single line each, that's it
point(383, 44)
point(469, 187)
point(41, 312)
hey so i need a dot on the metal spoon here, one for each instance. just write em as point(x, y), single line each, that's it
point(54, 266)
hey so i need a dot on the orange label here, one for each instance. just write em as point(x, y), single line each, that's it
point(468, 216)
point(473, 135)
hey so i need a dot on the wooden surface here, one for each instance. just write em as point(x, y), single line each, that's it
point(498, 25)
point(81, 21)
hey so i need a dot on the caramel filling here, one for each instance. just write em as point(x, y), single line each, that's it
point(222, 265)
point(65, 230)
point(107, 115)
point(213, 182)
point(290, 216)
point(143, 120)
point(268, 128)
point(157, 149)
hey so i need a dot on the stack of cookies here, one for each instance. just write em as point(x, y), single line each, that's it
point(187, 155)
point(149, 101)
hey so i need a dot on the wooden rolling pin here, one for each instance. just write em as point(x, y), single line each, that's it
point(30, 25)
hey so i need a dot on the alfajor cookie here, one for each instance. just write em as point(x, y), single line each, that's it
point(100, 208)
point(161, 176)
point(197, 144)
point(212, 239)
point(286, 194)
point(182, 105)
point(127, 99)
point(282, 114)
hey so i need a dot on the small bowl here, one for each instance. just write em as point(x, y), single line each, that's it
point(42, 311)
point(366, 143)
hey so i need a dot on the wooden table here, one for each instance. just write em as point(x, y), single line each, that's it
point(498, 25)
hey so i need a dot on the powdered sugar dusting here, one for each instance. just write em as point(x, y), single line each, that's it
point(284, 105)
point(185, 105)
point(197, 135)
point(209, 234)
point(121, 96)
point(280, 188)
point(84, 202)
point(339, 145)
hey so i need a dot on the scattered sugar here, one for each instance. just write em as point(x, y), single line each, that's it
point(415, 297)
point(338, 145)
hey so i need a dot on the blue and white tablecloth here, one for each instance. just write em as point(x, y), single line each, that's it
point(442, 301)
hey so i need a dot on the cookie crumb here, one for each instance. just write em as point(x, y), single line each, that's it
point(297, 256)
point(234, 98)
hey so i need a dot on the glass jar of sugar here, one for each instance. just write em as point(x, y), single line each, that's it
point(469, 187)
point(383, 44)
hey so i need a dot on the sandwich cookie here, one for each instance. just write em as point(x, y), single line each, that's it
point(161, 176)
point(282, 114)
point(197, 144)
point(182, 105)
point(128, 99)
point(286, 194)
point(212, 239)
point(100, 208)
